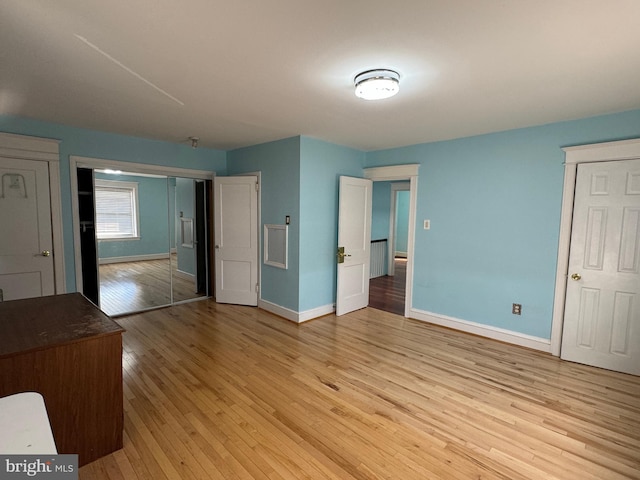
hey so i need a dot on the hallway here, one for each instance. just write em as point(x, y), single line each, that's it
point(388, 293)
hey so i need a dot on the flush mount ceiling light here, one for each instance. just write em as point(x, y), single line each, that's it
point(377, 84)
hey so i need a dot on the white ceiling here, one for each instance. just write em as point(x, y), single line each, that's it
point(242, 72)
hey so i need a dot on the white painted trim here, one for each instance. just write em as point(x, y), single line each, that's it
point(495, 333)
point(391, 237)
point(403, 172)
point(126, 167)
point(269, 231)
point(101, 163)
point(45, 150)
point(56, 224)
point(413, 205)
point(185, 275)
point(603, 152)
point(283, 312)
point(392, 172)
point(292, 315)
point(598, 152)
point(29, 148)
point(562, 265)
point(134, 258)
point(316, 313)
point(391, 244)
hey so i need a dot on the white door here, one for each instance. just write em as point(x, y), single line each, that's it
point(354, 235)
point(602, 311)
point(236, 239)
point(26, 245)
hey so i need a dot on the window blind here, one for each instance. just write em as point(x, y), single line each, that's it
point(115, 212)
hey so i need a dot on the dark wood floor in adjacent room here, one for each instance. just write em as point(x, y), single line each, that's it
point(388, 293)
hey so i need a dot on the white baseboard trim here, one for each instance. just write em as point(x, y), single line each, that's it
point(501, 334)
point(292, 315)
point(185, 275)
point(278, 310)
point(316, 312)
point(133, 258)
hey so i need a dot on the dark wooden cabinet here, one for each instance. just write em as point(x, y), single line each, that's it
point(69, 351)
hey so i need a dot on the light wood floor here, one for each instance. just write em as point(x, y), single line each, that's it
point(134, 286)
point(229, 392)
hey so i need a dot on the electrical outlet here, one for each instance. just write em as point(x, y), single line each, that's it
point(516, 309)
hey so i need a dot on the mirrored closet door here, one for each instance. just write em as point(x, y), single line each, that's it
point(151, 238)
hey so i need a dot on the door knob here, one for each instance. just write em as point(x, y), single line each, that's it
point(45, 253)
point(576, 276)
point(341, 255)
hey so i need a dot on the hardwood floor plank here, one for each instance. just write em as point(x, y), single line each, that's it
point(127, 287)
point(223, 391)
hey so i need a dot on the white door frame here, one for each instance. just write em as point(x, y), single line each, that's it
point(102, 163)
point(391, 247)
point(398, 173)
point(44, 150)
point(598, 152)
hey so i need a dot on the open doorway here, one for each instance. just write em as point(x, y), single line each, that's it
point(389, 246)
point(360, 230)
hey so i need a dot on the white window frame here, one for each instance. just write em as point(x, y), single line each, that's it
point(133, 187)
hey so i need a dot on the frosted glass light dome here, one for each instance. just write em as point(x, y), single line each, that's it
point(377, 84)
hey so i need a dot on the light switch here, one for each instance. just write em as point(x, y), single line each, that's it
point(427, 224)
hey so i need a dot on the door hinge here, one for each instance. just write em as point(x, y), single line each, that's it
point(257, 288)
point(257, 187)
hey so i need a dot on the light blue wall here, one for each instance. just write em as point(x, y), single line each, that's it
point(494, 203)
point(153, 219)
point(300, 178)
point(90, 143)
point(493, 200)
point(185, 208)
point(321, 165)
point(380, 207)
point(402, 221)
point(279, 163)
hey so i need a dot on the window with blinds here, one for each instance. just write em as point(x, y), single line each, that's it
point(116, 210)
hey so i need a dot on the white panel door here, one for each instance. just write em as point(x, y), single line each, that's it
point(236, 239)
point(602, 311)
point(26, 256)
point(354, 235)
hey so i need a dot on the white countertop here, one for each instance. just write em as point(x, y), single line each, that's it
point(24, 425)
